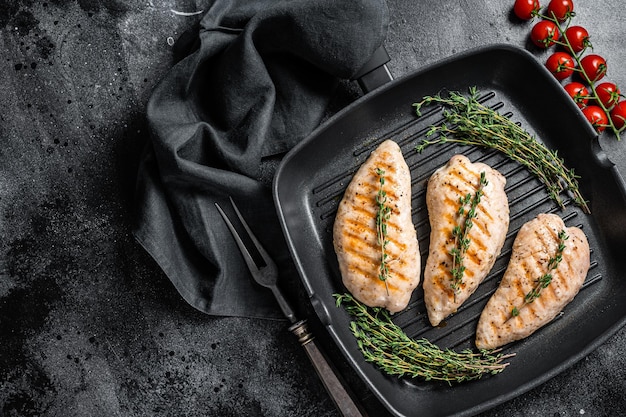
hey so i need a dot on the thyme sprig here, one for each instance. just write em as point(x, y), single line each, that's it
point(383, 343)
point(461, 232)
point(468, 122)
point(545, 280)
point(383, 213)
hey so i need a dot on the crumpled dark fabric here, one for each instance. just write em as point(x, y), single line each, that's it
point(257, 81)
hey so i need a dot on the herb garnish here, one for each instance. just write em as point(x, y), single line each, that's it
point(383, 343)
point(545, 280)
point(469, 122)
point(461, 232)
point(383, 213)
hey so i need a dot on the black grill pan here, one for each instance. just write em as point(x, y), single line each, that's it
point(313, 176)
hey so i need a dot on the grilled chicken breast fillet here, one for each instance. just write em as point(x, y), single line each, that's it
point(457, 179)
point(507, 316)
point(355, 232)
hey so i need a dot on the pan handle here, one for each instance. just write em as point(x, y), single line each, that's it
point(375, 72)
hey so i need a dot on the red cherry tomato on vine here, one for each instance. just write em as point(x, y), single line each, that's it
point(561, 9)
point(561, 65)
point(618, 114)
point(526, 9)
point(578, 92)
point(597, 117)
point(578, 38)
point(544, 33)
point(608, 93)
point(594, 66)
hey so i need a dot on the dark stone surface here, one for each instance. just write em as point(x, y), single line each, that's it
point(89, 326)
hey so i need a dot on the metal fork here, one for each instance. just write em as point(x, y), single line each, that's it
point(266, 274)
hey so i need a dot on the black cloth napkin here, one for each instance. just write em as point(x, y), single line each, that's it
point(256, 81)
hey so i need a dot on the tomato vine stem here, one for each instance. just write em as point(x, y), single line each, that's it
point(579, 69)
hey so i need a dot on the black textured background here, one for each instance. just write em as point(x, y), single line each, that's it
point(89, 326)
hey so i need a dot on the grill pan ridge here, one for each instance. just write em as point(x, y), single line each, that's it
point(312, 178)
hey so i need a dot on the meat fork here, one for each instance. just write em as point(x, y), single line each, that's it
point(265, 273)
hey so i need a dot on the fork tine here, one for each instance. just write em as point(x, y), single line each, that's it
point(252, 266)
point(266, 258)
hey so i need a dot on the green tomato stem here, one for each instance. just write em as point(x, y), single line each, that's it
point(579, 69)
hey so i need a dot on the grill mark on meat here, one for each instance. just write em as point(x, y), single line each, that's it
point(360, 222)
point(519, 285)
point(481, 226)
point(462, 174)
point(372, 278)
point(366, 253)
point(357, 226)
point(537, 242)
point(446, 187)
point(357, 245)
point(474, 258)
point(442, 283)
point(450, 202)
point(359, 261)
point(487, 199)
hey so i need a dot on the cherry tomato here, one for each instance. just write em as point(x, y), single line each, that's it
point(578, 38)
point(561, 65)
point(608, 93)
point(578, 92)
point(526, 9)
point(594, 66)
point(618, 114)
point(597, 117)
point(544, 33)
point(560, 9)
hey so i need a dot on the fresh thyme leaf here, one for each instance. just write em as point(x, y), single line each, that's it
point(461, 232)
point(383, 214)
point(468, 122)
point(383, 343)
point(545, 280)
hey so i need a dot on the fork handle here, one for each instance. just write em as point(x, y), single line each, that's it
point(335, 387)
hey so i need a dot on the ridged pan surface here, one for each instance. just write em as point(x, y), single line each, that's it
point(313, 177)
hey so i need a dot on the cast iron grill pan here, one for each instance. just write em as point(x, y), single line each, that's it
point(313, 177)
